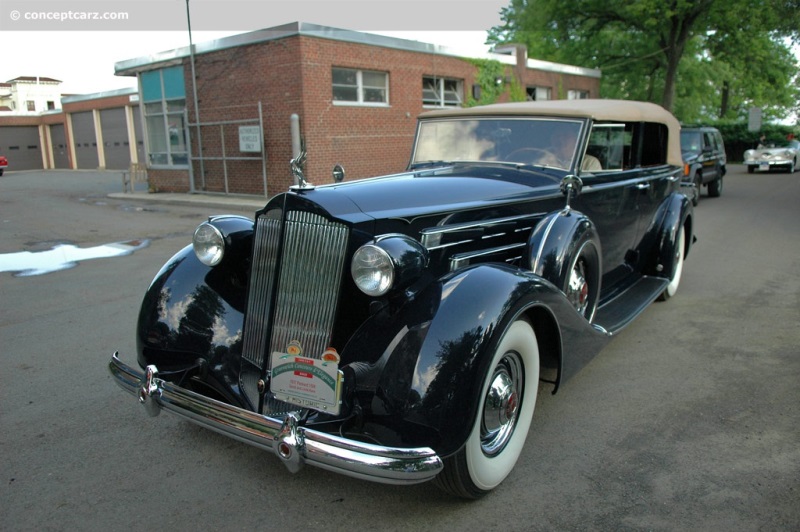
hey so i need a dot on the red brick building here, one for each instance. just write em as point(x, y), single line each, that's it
point(96, 131)
point(356, 95)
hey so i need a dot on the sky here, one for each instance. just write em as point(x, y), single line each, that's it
point(79, 42)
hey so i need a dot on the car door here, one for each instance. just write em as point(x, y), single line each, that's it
point(655, 182)
point(610, 199)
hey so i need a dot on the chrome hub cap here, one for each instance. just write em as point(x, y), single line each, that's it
point(502, 403)
point(578, 288)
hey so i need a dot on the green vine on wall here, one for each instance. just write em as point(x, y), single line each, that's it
point(494, 78)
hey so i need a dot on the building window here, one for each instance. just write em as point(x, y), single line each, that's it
point(442, 92)
point(31, 105)
point(51, 106)
point(164, 99)
point(536, 94)
point(577, 95)
point(360, 86)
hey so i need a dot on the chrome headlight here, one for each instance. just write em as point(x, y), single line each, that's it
point(390, 262)
point(372, 270)
point(208, 244)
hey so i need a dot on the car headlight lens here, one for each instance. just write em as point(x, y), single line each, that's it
point(390, 262)
point(208, 244)
point(372, 270)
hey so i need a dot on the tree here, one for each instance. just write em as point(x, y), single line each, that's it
point(680, 53)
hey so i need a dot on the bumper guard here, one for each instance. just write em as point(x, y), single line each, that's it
point(293, 444)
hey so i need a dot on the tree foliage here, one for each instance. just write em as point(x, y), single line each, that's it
point(701, 59)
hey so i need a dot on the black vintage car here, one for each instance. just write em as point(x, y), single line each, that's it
point(398, 329)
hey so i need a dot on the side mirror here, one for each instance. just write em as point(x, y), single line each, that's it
point(338, 173)
point(571, 187)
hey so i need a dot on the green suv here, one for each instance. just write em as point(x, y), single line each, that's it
point(704, 159)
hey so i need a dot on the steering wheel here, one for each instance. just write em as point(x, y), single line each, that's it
point(533, 156)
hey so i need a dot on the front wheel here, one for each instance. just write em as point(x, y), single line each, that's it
point(508, 397)
point(677, 268)
point(715, 188)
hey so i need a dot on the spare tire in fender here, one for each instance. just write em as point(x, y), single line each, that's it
point(564, 248)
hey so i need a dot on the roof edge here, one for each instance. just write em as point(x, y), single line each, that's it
point(131, 67)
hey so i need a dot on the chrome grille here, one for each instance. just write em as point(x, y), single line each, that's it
point(307, 289)
point(262, 273)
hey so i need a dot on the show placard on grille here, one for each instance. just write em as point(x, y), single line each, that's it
point(306, 382)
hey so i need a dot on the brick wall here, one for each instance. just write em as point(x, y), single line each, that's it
point(293, 75)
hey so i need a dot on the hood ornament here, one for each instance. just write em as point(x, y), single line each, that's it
point(297, 164)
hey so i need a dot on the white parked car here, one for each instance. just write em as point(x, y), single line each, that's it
point(765, 158)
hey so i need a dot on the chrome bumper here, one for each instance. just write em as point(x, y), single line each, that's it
point(293, 444)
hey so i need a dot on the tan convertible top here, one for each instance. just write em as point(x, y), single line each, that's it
point(618, 110)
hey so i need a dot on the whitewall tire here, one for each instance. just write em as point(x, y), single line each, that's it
point(508, 398)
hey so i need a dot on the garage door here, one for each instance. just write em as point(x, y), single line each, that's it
point(59, 139)
point(85, 141)
point(21, 145)
point(115, 139)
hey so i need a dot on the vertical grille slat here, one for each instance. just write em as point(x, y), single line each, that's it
point(306, 284)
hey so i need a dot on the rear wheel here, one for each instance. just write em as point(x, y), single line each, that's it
point(677, 268)
point(508, 397)
point(751, 169)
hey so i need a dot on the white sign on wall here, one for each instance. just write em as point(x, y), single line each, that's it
point(250, 139)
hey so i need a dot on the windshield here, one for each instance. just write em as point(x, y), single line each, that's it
point(542, 142)
point(691, 141)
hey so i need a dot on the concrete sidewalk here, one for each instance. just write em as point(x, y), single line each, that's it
point(210, 200)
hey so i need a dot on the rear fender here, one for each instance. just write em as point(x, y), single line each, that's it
point(675, 214)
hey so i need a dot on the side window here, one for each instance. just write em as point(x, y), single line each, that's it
point(709, 141)
point(608, 144)
point(654, 144)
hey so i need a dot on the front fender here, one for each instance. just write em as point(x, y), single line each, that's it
point(191, 321)
point(432, 370)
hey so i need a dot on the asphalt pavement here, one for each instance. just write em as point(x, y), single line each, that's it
point(688, 420)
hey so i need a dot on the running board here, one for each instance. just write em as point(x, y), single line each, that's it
point(615, 315)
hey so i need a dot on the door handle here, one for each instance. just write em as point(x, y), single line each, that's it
point(642, 186)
